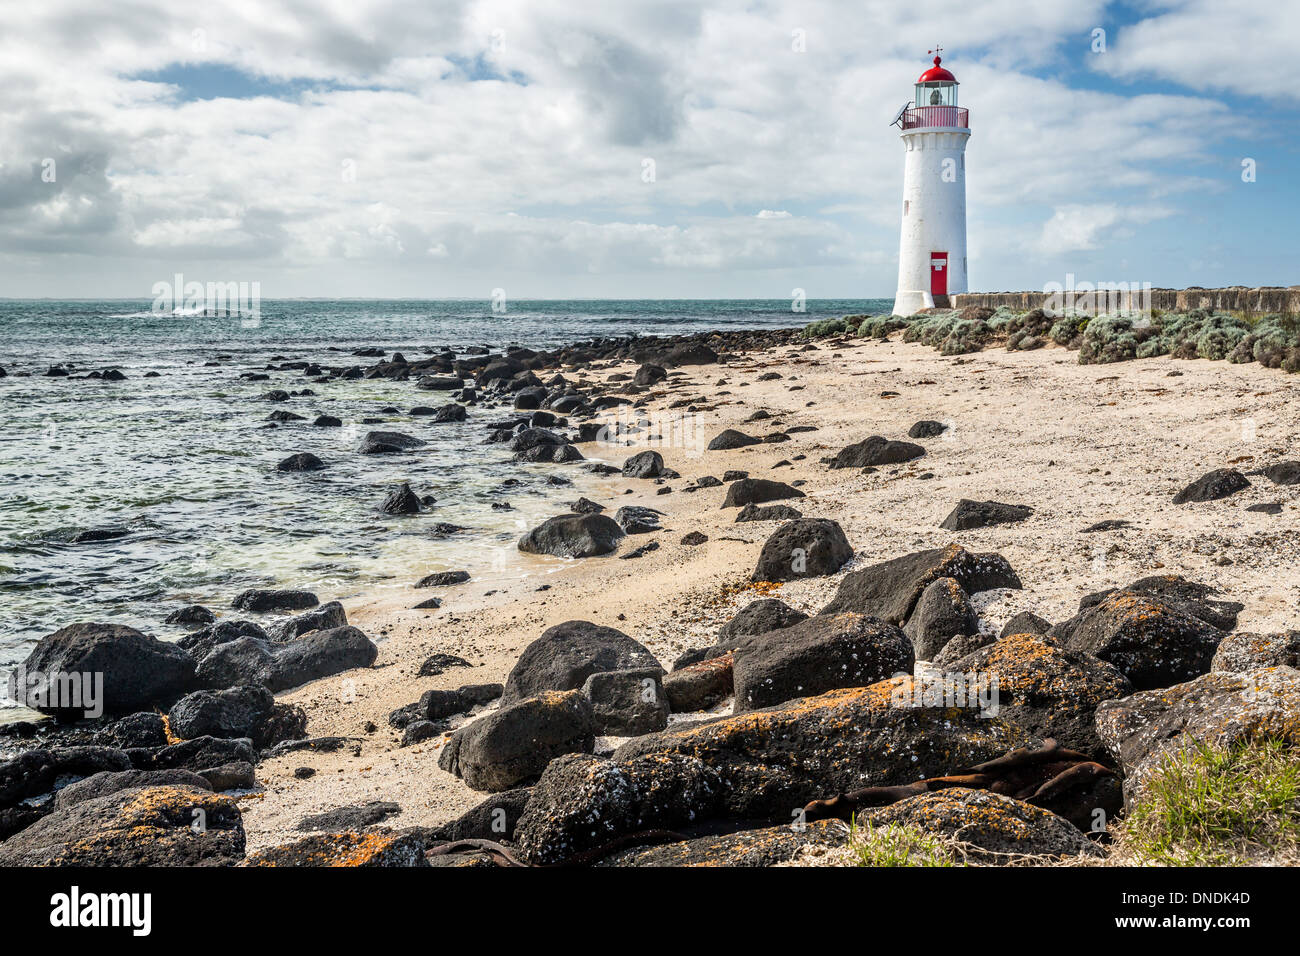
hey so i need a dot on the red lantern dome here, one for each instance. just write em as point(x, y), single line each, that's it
point(937, 74)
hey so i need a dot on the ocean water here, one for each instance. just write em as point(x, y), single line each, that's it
point(185, 461)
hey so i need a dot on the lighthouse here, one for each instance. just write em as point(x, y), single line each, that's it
point(932, 250)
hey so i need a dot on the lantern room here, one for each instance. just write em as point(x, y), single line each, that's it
point(936, 87)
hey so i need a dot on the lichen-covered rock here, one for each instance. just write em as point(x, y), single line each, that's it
point(890, 590)
point(1219, 709)
point(1152, 642)
point(567, 654)
point(942, 612)
point(1246, 652)
point(701, 685)
point(992, 827)
point(1048, 690)
point(583, 803)
point(777, 760)
point(820, 654)
point(764, 847)
point(375, 848)
point(803, 548)
point(503, 748)
point(141, 826)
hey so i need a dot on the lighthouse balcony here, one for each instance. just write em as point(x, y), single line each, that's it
point(949, 117)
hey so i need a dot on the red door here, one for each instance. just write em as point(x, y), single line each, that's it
point(938, 273)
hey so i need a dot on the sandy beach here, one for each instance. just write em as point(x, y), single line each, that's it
point(1077, 443)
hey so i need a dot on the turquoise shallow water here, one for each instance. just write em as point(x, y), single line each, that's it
point(186, 460)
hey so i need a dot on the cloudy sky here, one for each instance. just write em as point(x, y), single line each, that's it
point(360, 148)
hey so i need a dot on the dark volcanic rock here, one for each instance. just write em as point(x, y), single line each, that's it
point(959, 647)
point(890, 590)
point(1221, 710)
point(1216, 484)
point(193, 615)
point(567, 654)
point(701, 685)
point(351, 818)
point(756, 491)
point(758, 617)
point(515, 743)
point(927, 428)
point(111, 781)
point(730, 439)
point(983, 514)
point(401, 501)
point(584, 506)
point(637, 520)
point(389, 443)
point(582, 803)
point(437, 663)
point(804, 548)
point(442, 579)
point(774, 760)
point(38, 771)
point(770, 513)
point(942, 612)
point(303, 461)
point(279, 666)
point(259, 602)
point(148, 826)
point(1026, 622)
point(493, 819)
point(645, 464)
point(137, 671)
point(573, 536)
point(317, 619)
point(627, 703)
point(991, 826)
point(370, 849)
point(236, 712)
point(767, 846)
point(817, 655)
point(1246, 652)
point(876, 450)
point(1283, 473)
point(1047, 689)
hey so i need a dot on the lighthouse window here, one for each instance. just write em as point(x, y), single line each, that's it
point(935, 98)
point(907, 204)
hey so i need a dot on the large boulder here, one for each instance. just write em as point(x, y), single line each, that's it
point(876, 450)
point(573, 536)
point(627, 703)
point(890, 590)
point(35, 772)
point(1221, 709)
point(983, 514)
point(701, 685)
point(583, 804)
point(249, 711)
point(777, 760)
point(1153, 642)
point(758, 617)
point(992, 828)
point(567, 654)
point(804, 548)
point(730, 439)
point(644, 464)
point(819, 654)
point(515, 743)
point(124, 669)
point(141, 826)
point(755, 491)
point(1048, 690)
point(1245, 651)
point(278, 667)
point(942, 612)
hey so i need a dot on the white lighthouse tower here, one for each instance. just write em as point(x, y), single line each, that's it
point(932, 251)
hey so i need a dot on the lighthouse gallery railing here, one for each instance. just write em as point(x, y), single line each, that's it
point(916, 116)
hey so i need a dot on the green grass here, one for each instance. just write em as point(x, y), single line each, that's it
point(1218, 807)
point(894, 845)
